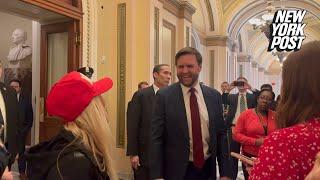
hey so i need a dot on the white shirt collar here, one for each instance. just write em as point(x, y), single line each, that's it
point(186, 89)
point(155, 88)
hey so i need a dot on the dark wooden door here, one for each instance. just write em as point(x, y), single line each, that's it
point(59, 55)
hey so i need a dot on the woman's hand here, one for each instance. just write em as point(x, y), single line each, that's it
point(259, 141)
point(248, 166)
point(315, 172)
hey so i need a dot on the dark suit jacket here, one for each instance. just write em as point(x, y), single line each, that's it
point(25, 118)
point(170, 137)
point(139, 116)
point(233, 104)
point(11, 103)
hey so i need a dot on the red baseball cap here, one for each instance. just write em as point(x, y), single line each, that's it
point(72, 94)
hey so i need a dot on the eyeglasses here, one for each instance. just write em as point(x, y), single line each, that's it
point(265, 98)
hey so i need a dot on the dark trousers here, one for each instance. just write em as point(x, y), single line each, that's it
point(234, 147)
point(142, 173)
point(244, 167)
point(194, 173)
point(21, 161)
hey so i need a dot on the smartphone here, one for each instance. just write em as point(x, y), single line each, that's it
point(239, 83)
point(243, 158)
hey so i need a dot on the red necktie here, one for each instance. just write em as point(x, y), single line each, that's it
point(198, 156)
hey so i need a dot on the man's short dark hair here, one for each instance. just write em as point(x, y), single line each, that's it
point(189, 50)
point(266, 86)
point(158, 67)
point(15, 80)
point(224, 82)
point(142, 83)
point(241, 77)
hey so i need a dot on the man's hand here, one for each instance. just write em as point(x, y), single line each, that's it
point(247, 86)
point(232, 86)
point(134, 162)
point(259, 141)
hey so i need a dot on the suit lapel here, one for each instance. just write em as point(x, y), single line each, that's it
point(4, 95)
point(209, 105)
point(181, 110)
point(236, 99)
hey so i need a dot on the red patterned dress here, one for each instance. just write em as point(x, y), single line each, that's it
point(288, 153)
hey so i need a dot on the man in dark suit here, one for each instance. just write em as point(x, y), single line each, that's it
point(237, 104)
point(188, 131)
point(25, 119)
point(9, 119)
point(139, 116)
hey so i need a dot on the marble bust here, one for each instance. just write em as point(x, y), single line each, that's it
point(20, 54)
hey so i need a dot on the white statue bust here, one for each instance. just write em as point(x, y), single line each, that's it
point(19, 50)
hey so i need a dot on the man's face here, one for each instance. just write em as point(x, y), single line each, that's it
point(15, 86)
point(17, 36)
point(188, 69)
point(163, 77)
point(224, 87)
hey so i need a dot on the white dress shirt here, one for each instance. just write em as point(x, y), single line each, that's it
point(155, 88)
point(204, 118)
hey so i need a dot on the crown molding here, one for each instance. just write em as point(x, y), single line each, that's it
point(180, 9)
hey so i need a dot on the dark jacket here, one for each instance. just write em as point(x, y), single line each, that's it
point(75, 162)
point(12, 116)
point(233, 102)
point(170, 137)
point(139, 115)
point(25, 118)
point(4, 159)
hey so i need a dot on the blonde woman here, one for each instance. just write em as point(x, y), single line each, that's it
point(83, 148)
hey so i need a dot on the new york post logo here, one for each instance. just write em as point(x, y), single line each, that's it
point(287, 30)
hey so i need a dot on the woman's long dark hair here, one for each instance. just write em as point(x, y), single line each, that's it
point(300, 92)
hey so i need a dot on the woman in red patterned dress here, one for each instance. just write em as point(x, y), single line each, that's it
point(289, 153)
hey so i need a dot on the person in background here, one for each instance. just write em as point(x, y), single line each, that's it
point(84, 148)
point(254, 125)
point(139, 115)
point(225, 92)
point(188, 130)
point(87, 71)
point(289, 152)
point(9, 119)
point(143, 85)
point(26, 119)
point(238, 103)
point(255, 92)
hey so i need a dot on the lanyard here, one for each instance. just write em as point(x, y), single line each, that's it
point(265, 127)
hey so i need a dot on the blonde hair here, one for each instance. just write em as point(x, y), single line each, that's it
point(92, 128)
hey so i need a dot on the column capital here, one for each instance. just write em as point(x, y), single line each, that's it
point(180, 9)
point(261, 69)
point(232, 45)
point(243, 57)
point(254, 64)
point(216, 40)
